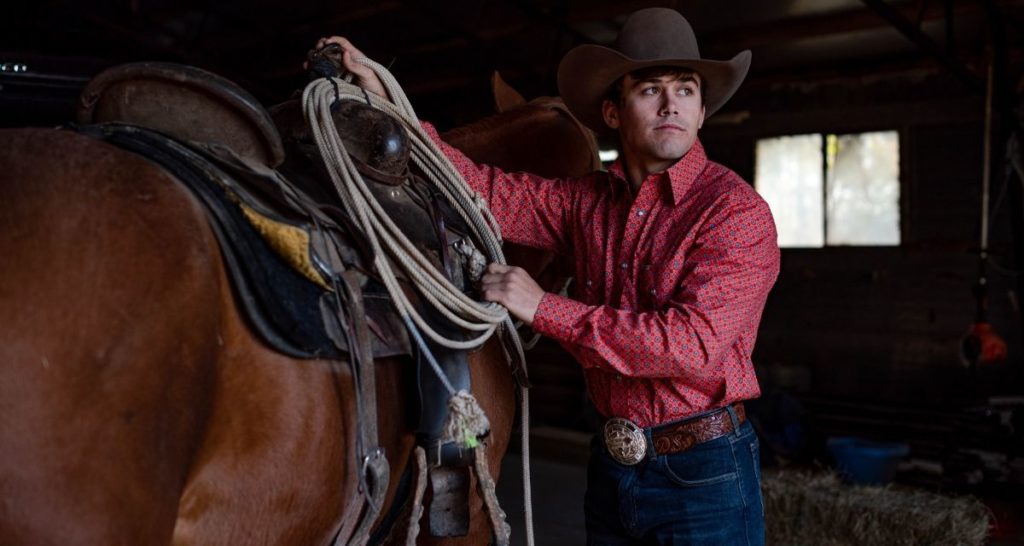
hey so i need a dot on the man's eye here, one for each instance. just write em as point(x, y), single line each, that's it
point(650, 91)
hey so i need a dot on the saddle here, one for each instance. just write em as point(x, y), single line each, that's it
point(216, 128)
point(186, 102)
point(296, 261)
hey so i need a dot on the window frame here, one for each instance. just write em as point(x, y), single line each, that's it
point(905, 194)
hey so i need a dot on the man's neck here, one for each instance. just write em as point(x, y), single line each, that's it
point(637, 172)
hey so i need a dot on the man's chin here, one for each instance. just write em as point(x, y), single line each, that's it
point(675, 153)
point(672, 147)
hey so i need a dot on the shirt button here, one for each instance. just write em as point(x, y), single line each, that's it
point(590, 282)
point(624, 265)
point(618, 378)
point(640, 212)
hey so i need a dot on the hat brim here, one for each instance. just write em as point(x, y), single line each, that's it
point(587, 71)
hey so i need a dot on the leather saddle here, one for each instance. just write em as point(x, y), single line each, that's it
point(268, 201)
point(299, 266)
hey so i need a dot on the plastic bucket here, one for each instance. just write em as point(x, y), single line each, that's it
point(866, 462)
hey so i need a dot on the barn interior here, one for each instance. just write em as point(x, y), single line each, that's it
point(886, 135)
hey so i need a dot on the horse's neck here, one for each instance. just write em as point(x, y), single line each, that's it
point(490, 132)
point(534, 138)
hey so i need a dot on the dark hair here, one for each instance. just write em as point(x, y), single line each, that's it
point(614, 93)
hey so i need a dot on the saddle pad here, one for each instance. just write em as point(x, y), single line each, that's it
point(281, 304)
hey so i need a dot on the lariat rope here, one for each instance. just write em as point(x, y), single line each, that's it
point(386, 239)
point(466, 419)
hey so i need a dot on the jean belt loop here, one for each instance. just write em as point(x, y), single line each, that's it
point(649, 438)
point(735, 420)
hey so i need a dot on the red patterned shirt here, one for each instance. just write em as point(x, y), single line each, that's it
point(671, 283)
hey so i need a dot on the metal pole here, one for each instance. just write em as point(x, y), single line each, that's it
point(986, 169)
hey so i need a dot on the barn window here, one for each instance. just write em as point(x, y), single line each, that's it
point(832, 190)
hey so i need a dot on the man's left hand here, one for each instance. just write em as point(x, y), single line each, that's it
point(514, 288)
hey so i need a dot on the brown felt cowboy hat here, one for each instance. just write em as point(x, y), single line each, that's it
point(650, 37)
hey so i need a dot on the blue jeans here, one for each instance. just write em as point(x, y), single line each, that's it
point(707, 495)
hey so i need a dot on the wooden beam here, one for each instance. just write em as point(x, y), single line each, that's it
point(818, 26)
point(923, 41)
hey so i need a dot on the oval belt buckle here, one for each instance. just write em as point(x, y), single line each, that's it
point(625, 441)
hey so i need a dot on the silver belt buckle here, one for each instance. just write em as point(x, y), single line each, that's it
point(624, 441)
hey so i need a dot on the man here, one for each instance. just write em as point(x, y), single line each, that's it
point(675, 256)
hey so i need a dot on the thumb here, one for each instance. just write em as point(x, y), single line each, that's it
point(360, 70)
point(365, 77)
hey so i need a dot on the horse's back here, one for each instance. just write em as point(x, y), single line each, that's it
point(102, 364)
point(136, 405)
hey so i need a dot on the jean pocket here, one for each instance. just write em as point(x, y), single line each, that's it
point(697, 473)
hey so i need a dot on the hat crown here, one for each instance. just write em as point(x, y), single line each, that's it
point(657, 33)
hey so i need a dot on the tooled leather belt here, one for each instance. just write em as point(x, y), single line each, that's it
point(627, 443)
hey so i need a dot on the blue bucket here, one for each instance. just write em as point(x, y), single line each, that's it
point(866, 462)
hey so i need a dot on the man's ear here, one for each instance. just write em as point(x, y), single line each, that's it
point(610, 112)
point(700, 122)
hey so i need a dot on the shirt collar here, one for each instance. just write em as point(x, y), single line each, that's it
point(681, 174)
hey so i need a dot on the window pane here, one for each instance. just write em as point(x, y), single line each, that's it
point(789, 176)
point(863, 193)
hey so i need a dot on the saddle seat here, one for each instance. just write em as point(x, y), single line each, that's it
point(186, 103)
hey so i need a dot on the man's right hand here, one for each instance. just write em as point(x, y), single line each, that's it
point(363, 76)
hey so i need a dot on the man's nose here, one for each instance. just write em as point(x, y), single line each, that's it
point(668, 105)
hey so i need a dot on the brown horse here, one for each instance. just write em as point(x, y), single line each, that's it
point(137, 407)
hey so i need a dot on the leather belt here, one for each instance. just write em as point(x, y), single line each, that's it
point(627, 443)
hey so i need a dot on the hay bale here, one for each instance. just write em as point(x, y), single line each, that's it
point(817, 509)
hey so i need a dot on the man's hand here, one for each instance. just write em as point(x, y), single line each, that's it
point(364, 77)
point(514, 288)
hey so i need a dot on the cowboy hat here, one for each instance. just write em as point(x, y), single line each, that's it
point(650, 37)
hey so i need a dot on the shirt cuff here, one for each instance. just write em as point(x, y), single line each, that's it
point(557, 317)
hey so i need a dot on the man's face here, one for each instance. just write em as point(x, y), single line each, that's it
point(657, 118)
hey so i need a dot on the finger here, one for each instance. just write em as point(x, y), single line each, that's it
point(502, 274)
point(361, 71)
point(497, 268)
point(494, 294)
point(345, 45)
point(491, 282)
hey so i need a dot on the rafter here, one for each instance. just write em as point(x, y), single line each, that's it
point(923, 41)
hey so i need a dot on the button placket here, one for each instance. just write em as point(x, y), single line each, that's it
point(636, 222)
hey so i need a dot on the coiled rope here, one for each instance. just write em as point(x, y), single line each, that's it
point(390, 245)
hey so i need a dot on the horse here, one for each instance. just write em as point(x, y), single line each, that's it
point(136, 404)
